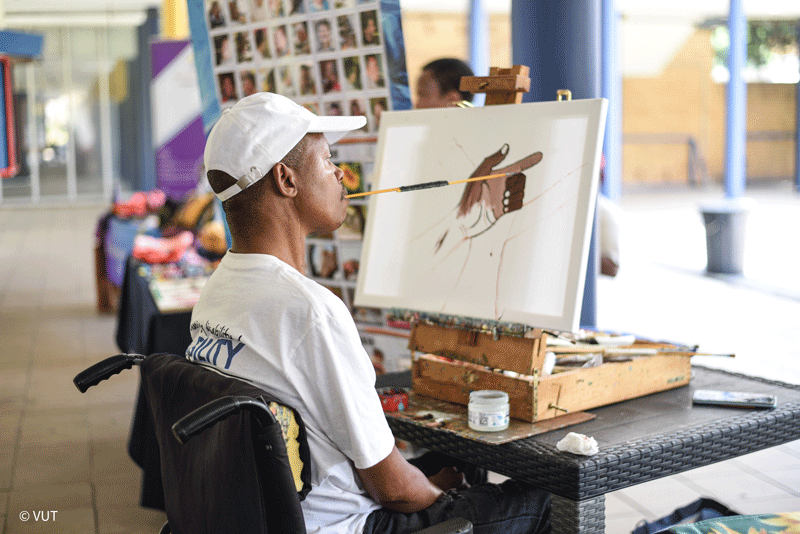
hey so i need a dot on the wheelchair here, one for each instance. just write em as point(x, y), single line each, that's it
point(233, 458)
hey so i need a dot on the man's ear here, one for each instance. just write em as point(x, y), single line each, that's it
point(285, 180)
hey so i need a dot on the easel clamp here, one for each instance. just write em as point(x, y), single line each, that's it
point(502, 86)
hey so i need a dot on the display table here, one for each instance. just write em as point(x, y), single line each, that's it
point(640, 440)
point(141, 327)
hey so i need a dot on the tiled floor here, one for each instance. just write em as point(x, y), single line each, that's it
point(65, 453)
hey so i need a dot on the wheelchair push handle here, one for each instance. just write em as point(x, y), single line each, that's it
point(105, 369)
point(217, 410)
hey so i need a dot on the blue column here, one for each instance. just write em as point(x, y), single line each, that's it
point(560, 41)
point(146, 179)
point(612, 90)
point(478, 43)
point(797, 130)
point(736, 126)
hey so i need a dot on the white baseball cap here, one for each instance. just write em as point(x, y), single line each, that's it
point(259, 130)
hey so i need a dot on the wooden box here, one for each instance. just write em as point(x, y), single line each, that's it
point(449, 363)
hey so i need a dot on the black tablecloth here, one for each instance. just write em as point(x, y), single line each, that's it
point(142, 329)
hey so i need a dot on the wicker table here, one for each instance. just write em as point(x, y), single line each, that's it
point(640, 440)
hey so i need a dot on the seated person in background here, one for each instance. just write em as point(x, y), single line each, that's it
point(268, 160)
point(437, 86)
point(609, 217)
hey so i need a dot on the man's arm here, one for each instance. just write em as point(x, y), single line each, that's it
point(396, 484)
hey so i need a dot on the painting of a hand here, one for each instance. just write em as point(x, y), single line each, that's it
point(498, 196)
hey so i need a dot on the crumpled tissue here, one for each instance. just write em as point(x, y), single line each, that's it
point(578, 444)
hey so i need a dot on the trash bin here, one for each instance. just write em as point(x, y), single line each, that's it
point(725, 223)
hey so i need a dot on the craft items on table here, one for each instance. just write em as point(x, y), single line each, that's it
point(154, 229)
point(393, 399)
point(175, 287)
point(162, 249)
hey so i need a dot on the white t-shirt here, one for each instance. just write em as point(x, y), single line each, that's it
point(609, 215)
point(261, 320)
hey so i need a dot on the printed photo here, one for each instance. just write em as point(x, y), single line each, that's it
point(286, 82)
point(323, 32)
point(374, 316)
point(354, 183)
point(347, 32)
point(357, 108)
point(352, 74)
point(227, 87)
point(308, 85)
point(313, 107)
point(302, 46)
point(276, 8)
point(322, 261)
point(296, 7)
point(248, 79)
point(343, 4)
point(266, 80)
point(333, 109)
point(369, 28)
point(238, 10)
point(244, 47)
point(223, 49)
point(375, 79)
point(258, 10)
point(280, 38)
point(318, 5)
point(216, 18)
point(262, 43)
point(329, 76)
point(349, 262)
point(377, 107)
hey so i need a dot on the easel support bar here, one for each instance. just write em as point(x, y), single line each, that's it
point(502, 86)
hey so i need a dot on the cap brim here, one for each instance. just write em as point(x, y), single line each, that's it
point(335, 127)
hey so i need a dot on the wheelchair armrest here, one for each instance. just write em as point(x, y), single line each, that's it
point(217, 410)
point(456, 525)
point(105, 369)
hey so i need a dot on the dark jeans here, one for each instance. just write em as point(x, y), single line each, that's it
point(510, 507)
point(507, 508)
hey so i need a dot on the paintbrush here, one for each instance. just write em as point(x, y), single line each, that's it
point(428, 185)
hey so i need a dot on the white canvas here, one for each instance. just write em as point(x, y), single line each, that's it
point(514, 250)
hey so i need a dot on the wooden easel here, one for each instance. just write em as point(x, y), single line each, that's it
point(458, 355)
point(502, 86)
point(466, 342)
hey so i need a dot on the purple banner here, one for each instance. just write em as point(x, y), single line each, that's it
point(178, 133)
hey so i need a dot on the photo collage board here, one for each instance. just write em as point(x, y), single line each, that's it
point(334, 57)
point(327, 55)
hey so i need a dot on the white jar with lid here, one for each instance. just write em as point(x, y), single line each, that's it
point(488, 410)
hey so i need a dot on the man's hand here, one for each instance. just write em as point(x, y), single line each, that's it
point(449, 478)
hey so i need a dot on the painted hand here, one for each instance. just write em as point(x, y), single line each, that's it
point(499, 196)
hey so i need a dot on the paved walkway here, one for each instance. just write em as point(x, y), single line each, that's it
point(663, 292)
